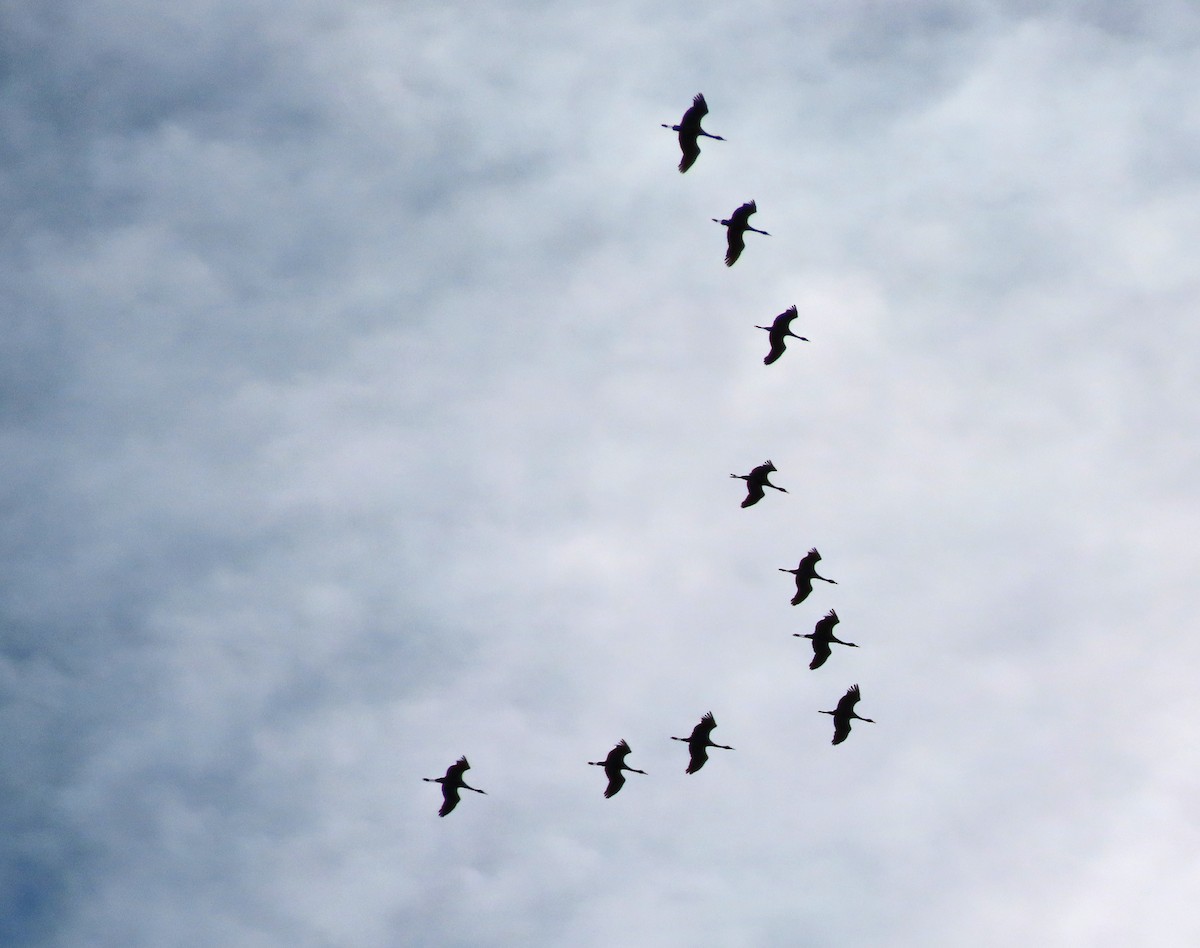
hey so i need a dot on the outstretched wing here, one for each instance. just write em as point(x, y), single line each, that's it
point(692, 117)
point(810, 560)
point(690, 147)
point(449, 798)
point(803, 588)
point(845, 707)
point(616, 756)
point(841, 729)
point(778, 346)
point(703, 730)
point(736, 244)
point(616, 780)
point(456, 770)
point(754, 493)
point(825, 626)
point(699, 757)
point(821, 651)
point(741, 217)
point(784, 320)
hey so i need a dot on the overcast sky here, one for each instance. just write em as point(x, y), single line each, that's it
point(371, 381)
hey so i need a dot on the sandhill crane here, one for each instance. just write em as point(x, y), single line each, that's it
point(690, 132)
point(736, 227)
point(613, 764)
point(756, 480)
point(699, 743)
point(822, 637)
point(451, 784)
point(845, 713)
point(805, 573)
point(779, 330)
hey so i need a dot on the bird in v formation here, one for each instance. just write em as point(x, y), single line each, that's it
point(451, 783)
point(844, 713)
point(736, 226)
point(756, 481)
point(613, 766)
point(805, 572)
point(690, 132)
point(699, 741)
point(822, 637)
point(779, 331)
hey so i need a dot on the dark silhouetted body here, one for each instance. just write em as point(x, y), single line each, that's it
point(613, 764)
point(735, 229)
point(700, 741)
point(690, 132)
point(822, 637)
point(756, 481)
point(805, 573)
point(844, 713)
point(779, 330)
point(451, 783)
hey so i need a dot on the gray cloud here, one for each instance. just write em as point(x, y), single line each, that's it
point(370, 390)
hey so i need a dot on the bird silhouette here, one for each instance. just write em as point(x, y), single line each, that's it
point(690, 132)
point(844, 713)
point(756, 480)
point(822, 637)
point(613, 764)
point(699, 742)
point(451, 783)
point(736, 227)
point(805, 573)
point(779, 330)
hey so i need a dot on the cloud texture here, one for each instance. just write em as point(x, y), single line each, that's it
point(370, 384)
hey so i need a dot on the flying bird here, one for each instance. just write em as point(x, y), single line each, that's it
point(805, 573)
point(451, 783)
point(779, 330)
point(845, 713)
point(736, 227)
point(613, 764)
point(756, 480)
point(690, 132)
point(699, 742)
point(822, 637)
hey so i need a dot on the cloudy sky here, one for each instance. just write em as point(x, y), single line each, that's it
point(371, 382)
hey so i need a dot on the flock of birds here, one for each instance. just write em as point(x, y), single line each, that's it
point(821, 637)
